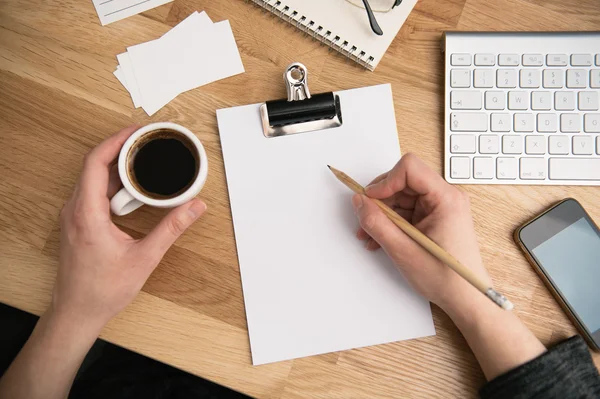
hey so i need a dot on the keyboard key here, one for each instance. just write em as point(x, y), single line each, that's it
point(483, 78)
point(512, 144)
point(597, 59)
point(541, 100)
point(460, 167)
point(464, 99)
point(554, 78)
point(577, 78)
point(489, 144)
point(460, 78)
point(485, 59)
point(557, 60)
point(570, 123)
point(506, 168)
point(558, 145)
point(595, 78)
point(581, 60)
point(591, 123)
point(506, 78)
point(518, 100)
point(508, 59)
point(533, 169)
point(564, 101)
point(546, 123)
point(500, 123)
point(460, 59)
point(530, 78)
point(574, 168)
point(583, 145)
point(469, 122)
point(483, 168)
point(462, 143)
point(523, 122)
point(495, 100)
point(588, 100)
point(598, 145)
point(535, 144)
point(533, 59)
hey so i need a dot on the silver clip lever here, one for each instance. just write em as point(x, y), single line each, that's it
point(296, 82)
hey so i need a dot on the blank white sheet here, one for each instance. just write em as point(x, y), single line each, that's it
point(310, 286)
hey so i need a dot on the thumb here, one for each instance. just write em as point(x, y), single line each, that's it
point(372, 219)
point(160, 239)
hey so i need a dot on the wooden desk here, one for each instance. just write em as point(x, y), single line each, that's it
point(58, 99)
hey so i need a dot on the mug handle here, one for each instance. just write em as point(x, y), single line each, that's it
point(123, 203)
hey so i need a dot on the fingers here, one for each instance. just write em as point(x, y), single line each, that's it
point(383, 232)
point(362, 235)
point(403, 200)
point(171, 227)
point(379, 178)
point(376, 224)
point(95, 175)
point(373, 245)
point(114, 181)
point(409, 173)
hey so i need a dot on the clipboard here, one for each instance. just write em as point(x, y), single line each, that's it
point(309, 285)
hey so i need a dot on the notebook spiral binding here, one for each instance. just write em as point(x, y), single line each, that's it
point(318, 32)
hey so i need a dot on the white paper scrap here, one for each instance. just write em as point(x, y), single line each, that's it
point(114, 10)
point(120, 76)
point(155, 63)
point(132, 86)
point(194, 54)
point(215, 59)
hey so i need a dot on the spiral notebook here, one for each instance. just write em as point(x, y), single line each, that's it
point(343, 24)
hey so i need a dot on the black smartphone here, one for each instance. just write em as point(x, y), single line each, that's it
point(563, 245)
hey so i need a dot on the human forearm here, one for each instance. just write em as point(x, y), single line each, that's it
point(48, 363)
point(498, 338)
point(442, 212)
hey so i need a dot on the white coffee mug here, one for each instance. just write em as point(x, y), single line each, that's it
point(128, 199)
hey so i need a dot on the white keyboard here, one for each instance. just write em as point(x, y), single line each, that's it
point(522, 108)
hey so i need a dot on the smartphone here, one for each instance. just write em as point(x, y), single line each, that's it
point(563, 245)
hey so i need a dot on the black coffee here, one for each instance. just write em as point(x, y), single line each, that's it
point(163, 164)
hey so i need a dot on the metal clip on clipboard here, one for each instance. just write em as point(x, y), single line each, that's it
point(301, 112)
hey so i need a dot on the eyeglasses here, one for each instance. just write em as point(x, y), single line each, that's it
point(381, 6)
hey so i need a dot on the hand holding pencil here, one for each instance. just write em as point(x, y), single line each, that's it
point(435, 220)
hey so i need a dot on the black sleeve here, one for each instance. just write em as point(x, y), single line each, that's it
point(565, 371)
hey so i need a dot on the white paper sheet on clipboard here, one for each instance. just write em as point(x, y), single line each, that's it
point(310, 286)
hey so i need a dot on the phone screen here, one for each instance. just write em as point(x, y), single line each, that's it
point(572, 259)
point(566, 245)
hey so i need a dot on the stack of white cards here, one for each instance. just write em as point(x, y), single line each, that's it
point(192, 54)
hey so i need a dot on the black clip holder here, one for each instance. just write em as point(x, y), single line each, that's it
point(301, 112)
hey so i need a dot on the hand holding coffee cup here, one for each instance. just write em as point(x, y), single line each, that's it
point(162, 165)
point(102, 268)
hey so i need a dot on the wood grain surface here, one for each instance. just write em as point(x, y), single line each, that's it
point(59, 98)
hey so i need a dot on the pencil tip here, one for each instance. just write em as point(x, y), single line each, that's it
point(329, 166)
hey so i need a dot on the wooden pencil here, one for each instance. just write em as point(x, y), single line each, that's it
point(428, 244)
